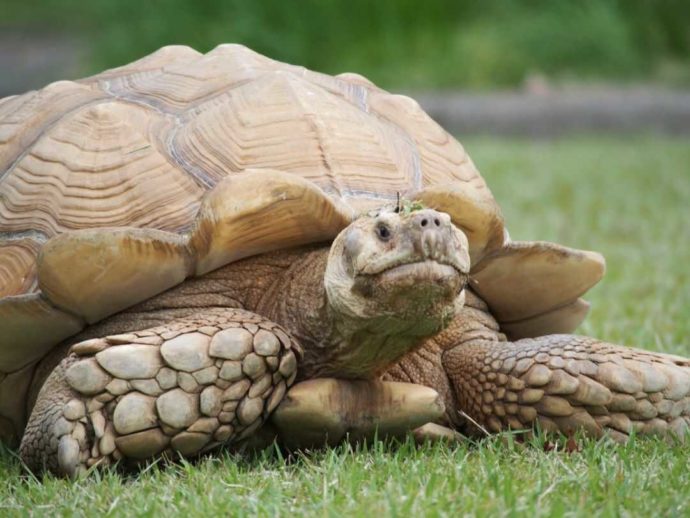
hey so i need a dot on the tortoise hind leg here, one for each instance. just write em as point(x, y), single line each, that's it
point(328, 411)
point(181, 388)
point(566, 383)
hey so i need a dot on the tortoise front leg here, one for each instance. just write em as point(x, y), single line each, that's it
point(181, 388)
point(566, 383)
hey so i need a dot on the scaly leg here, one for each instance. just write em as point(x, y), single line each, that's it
point(180, 388)
point(566, 383)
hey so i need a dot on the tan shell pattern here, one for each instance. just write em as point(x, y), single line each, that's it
point(141, 144)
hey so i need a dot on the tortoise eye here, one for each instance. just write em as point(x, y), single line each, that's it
point(383, 232)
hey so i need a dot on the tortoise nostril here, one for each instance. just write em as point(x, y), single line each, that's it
point(424, 222)
point(437, 222)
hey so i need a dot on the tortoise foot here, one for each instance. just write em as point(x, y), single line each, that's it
point(566, 383)
point(178, 389)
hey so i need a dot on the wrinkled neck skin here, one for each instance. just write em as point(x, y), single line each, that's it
point(345, 339)
point(287, 287)
point(365, 347)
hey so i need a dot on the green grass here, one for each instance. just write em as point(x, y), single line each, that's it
point(626, 197)
point(396, 43)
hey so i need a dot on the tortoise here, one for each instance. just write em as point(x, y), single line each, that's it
point(185, 237)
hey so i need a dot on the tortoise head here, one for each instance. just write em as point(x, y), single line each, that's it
point(396, 274)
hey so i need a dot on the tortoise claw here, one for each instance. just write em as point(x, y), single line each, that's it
point(432, 432)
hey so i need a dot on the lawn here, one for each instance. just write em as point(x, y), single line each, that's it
point(626, 197)
point(395, 43)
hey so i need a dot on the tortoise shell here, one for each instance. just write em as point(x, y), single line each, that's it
point(140, 145)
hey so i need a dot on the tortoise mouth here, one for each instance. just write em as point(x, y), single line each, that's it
point(418, 271)
point(381, 267)
point(443, 278)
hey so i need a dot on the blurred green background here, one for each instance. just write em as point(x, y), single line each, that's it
point(397, 43)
